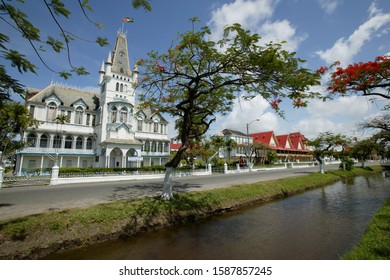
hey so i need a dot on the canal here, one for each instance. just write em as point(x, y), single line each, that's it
point(320, 224)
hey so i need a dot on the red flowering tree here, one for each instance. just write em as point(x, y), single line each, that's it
point(198, 79)
point(370, 78)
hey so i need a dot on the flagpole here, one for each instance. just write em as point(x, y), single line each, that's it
point(123, 25)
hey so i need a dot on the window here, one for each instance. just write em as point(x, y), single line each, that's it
point(89, 143)
point(79, 143)
point(121, 90)
point(51, 112)
point(139, 125)
point(114, 112)
point(31, 164)
point(43, 142)
point(123, 115)
point(68, 142)
point(88, 121)
point(31, 140)
point(147, 146)
point(32, 111)
point(57, 141)
point(155, 127)
point(117, 87)
point(154, 146)
point(79, 115)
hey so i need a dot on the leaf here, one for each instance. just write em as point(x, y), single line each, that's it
point(65, 75)
point(55, 44)
point(141, 3)
point(80, 71)
point(59, 8)
point(19, 61)
point(102, 41)
point(85, 5)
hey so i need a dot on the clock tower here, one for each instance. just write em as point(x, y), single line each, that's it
point(117, 105)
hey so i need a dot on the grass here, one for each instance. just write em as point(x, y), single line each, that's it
point(129, 217)
point(375, 243)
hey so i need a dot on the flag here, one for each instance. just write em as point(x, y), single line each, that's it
point(128, 19)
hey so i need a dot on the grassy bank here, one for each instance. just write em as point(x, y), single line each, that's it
point(375, 243)
point(37, 235)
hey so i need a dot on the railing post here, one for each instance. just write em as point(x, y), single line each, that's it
point(209, 168)
point(225, 168)
point(1, 176)
point(54, 175)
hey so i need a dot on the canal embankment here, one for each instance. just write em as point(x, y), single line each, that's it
point(36, 236)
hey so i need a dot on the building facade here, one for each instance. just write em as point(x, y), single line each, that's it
point(108, 129)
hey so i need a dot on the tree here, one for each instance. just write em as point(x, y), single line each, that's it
point(272, 157)
point(230, 146)
point(364, 148)
point(370, 78)
point(13, 15)
point(14, 118)
point(325, 145)
point(198, 79)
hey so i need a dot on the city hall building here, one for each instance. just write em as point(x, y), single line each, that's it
point(101, 130)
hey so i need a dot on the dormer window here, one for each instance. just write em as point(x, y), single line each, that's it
point(51, 111)
point(79, 115)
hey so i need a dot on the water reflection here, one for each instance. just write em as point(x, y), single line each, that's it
point(319, 224)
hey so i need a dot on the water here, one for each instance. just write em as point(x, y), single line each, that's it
point(319, 224)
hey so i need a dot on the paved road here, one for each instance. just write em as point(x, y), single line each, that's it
point(22, 201)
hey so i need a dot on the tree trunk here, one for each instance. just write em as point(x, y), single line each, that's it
point(167, 186)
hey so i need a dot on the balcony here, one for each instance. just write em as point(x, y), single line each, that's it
point(53, 151)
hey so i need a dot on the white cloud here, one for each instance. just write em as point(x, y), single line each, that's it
point(345, 49)
point(255, 15)
point(329, 6)
point(244, 112)
point(281, 31)
point(344, 107)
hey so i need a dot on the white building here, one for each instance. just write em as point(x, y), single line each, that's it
point(105, 130)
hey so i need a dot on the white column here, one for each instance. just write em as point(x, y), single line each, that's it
point(20, 166)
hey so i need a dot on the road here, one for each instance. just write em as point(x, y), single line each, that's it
point(21, 201)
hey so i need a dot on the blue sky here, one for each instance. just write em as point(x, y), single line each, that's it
point(320, 31)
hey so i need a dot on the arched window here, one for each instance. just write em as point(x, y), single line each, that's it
point(117, 87)
point(79, 115)
point(79, 143)
point(114, 112)
point(43, 142)
point(121, 88)
point(89, 143)
point(154, 146)
point(123, 115)
point(32, 140)
point(51, 112)
point(68, 142)
point(57, 141)
point(147, 146)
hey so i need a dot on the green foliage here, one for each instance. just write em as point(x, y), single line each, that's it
point(326, 143)
point(347, 164)
point(14, 118)
point(198, 79)
point(272, 157)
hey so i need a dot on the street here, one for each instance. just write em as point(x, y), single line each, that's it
point(21, 201)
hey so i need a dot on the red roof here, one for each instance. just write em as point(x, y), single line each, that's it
point(296, 140)
point(264, 138)
point(282, 140)
point(174, 146)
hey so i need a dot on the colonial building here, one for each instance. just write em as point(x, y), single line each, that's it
point(108, 129)
point(288, 147)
